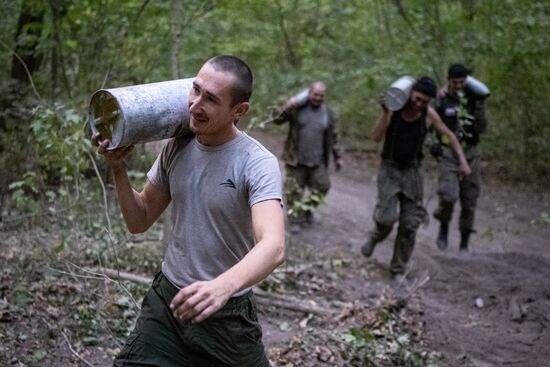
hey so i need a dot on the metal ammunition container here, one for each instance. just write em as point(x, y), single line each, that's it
point(397, 95)
point(141, 113)
point(476, 87)
point(301, 98)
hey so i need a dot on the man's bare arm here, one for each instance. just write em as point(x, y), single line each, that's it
point(381, 125)
point(438, 124)
point(139, 209)
point(200, 300)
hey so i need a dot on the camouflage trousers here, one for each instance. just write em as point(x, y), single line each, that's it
point(452, 189)
point(400, 195)
point(305, 189)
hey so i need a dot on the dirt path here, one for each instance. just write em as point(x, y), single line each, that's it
point(489, 307)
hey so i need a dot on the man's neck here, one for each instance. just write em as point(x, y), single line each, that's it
point(409, 114)
point(456, 93)
point(220, 138)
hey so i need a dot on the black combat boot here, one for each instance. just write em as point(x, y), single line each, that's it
point(464, 239)
point(309, 218)
point(443, 236)
point(368, 247)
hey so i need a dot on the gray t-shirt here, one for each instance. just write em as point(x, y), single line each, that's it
point(312, 124)
point(212, 189)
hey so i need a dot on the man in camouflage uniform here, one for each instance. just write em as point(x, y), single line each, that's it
point(463, 113)
point(400, 177)
point(312, 138)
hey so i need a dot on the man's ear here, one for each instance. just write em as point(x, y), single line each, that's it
point(240, 109)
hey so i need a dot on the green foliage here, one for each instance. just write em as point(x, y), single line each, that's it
point(543, 220)
point(357, 48)
point(369, 347)
point(38, 356)
point(24, 191)
point(61, 147)
point(306, 204)
point(54, 156)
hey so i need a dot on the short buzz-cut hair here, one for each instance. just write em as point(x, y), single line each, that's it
point(242, 88)
point(457, 71)
point(425, 85)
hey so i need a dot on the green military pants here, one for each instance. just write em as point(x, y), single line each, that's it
point(451, 188)
point(298, 179)
point(230, 337)
point(400, 195)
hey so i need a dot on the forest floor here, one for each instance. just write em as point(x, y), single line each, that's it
point(487, 307)
point(327, 305)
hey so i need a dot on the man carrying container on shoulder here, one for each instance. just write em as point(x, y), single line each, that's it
point(400, 183)
point(461, 107)
point(228, 232)
point(312, 139)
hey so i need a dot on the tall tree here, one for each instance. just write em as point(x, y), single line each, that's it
point(26, 59)
point(177, 15)
point(58, 9)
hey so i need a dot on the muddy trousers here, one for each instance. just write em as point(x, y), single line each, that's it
point(230, 337)
point(403, 246)
point(299, 179)
point(400, 194)
point(452, 189)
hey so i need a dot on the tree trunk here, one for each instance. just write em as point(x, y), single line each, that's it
point(177, 14)
point(469, 8)
point(27, 38)
point(59, 10)
point(290, 53)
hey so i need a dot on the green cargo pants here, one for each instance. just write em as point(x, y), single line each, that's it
point(452, 189)
point(230, 337)
point(298, 179)
point(403, 188)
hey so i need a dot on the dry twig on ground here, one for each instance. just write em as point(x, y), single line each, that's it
point(74, 351)
point(264, 298)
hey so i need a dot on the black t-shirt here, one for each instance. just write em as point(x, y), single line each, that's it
point(404, 140)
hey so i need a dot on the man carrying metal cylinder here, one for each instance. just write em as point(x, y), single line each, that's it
point(400, 184)
point(312, 139)
point(461, 107)
point(228, 233)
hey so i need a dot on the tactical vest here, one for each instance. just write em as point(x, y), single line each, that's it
point(458, 114)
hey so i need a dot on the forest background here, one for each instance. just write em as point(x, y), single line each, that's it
point(72, 48)
point(55, 53)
